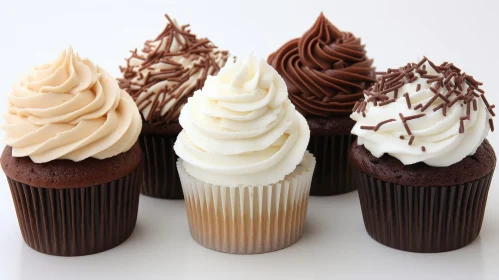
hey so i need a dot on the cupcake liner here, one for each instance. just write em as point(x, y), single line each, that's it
point(332, 174)
point(160, 167)
point(78, 221)
point(248, 220)
point(423, 219)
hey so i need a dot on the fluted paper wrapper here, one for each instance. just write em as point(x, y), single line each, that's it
point(332, 174)
point(248, 220)
point(80, 221)
point(422, 219)
point(160, 167)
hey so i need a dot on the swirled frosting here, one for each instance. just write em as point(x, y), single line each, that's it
point(168, 70)
point(424, 113)
point(70, 109)
point(326, 70)
point(241, 129)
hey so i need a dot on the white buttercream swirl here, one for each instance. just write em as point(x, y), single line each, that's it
point(439, 134)
point(70, 109)
point(241, 128)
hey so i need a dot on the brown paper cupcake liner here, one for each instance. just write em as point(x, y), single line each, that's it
point(422, 219)
point(79, 221)
point(248, 220)
point(332, 173)
point(160, 167)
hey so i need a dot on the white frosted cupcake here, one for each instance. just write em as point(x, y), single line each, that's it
point(243, 165)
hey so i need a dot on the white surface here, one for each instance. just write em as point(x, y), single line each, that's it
point(335, 244)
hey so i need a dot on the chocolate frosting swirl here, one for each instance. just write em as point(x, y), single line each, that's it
point(326, 70)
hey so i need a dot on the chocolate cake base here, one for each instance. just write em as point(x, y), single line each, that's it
point(420, 208)
point(160, 178)
point(330, 143)
point(67, 208)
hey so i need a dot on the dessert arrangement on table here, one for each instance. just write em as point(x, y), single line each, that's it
point(245, 141)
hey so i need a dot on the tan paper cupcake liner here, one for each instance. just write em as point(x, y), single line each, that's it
point(248, 220)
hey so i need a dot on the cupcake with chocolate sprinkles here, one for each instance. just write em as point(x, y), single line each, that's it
point(160, 78)
point(421, 160)
point(326, 72)
point(72, 160)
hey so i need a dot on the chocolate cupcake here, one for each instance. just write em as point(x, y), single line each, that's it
point(243, 163)
point(421, 160)
point(326, 72)
point(72, 159)
point(160, 78)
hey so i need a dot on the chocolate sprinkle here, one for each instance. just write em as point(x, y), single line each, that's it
point(408, 100)
point(407, 129)
point(423, 148)
point(490, 110)
point(429, 103)
point(414, 117)
point(382, 123)
point(411, 140)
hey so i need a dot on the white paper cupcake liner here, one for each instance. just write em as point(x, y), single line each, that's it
point(248, 219)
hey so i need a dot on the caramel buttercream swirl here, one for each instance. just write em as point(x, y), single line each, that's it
point(70, 109)
point(326, 70)
point(168, 70)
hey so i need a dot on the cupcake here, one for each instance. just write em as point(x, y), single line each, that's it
point(421, 160)
point(160, 78)
point(72, 158)
point(326, 71)
point(243, 165)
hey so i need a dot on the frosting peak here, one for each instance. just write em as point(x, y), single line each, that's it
point(326, 70)
point(69, 109)
point(167, 71)
point(424, 113)
point(241, 128)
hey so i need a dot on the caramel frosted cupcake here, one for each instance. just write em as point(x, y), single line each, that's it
point(421, 160)
point(326, 72)
point(160, 78)
point(243, 163)
point(72, 159)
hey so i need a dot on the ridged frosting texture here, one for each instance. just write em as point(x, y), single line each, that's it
point(436, 115)
point(167, 71)
point(70, 109)
point(241, 129)
point(326, 70)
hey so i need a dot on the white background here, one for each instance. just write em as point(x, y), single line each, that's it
point(334, 244)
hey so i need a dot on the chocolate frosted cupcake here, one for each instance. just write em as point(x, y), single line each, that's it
point(326, 71)
point(421, 160)
point(243, 162)
point(72, 158)
point(160, 78)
